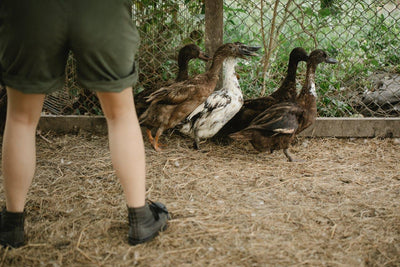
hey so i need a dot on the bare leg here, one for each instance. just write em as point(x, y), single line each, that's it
point(126, 144)
point(19, 148)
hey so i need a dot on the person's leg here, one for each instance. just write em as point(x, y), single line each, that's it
point(107, 65)
point(19, 148)
point(126, 144)
point(146, 219)
point(18, 162)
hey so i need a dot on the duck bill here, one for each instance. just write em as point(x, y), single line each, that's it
point(246, 50)
point(204, 56)
point(331, 60)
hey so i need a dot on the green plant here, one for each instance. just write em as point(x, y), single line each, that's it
point(350, 31)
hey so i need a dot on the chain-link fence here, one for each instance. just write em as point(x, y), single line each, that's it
point(363, 35)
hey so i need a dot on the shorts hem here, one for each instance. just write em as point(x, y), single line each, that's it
point(34, 87)
point(110, 86)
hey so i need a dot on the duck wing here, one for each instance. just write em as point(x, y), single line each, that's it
point(259, 104)
point(251, 108)
point(281, 118)
point(174, 94)
point(181, 91)
point(217, 100)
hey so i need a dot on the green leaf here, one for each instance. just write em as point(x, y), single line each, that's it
point(324, 12)
point(309, 11)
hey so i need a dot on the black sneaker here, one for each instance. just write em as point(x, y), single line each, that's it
point(146, 222)
point(12, 229)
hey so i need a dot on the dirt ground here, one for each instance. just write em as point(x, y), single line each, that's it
point(230, 206)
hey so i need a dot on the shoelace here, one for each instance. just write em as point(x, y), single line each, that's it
point(156, 209)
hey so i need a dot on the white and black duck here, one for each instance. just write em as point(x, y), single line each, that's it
point(209, 117)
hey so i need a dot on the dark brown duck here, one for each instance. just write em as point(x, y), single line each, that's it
point(253, 107)
point(276, 127)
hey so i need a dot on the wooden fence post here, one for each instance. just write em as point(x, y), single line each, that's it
point(214, 28)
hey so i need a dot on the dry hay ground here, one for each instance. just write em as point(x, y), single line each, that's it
point(230, 205)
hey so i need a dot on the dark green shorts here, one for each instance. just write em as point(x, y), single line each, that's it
point(37, 35)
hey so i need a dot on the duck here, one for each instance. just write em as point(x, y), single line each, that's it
point(170, 105)
point(277, 126)
point(185, 55)
point(209, 117)
point(252, 107)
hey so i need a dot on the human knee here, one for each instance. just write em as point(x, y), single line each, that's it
point(119, 114)
point(25, 119)
point(117, 106)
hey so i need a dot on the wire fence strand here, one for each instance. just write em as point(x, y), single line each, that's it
point(364, 36)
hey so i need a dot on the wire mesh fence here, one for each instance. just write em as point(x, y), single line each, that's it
point(363, 35)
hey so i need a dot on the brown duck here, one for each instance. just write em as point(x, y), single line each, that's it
point(276, 127)
point(253, 107)
point(171, 105)
point(186, 53)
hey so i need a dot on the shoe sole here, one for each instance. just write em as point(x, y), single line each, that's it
point(4, 244)
point(135, 242)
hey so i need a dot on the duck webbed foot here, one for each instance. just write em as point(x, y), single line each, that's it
point(150, 136)
point(158, 147)
point(196, 145)
point(154, 141)
point(290, 157)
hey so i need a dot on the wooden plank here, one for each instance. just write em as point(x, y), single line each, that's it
point(354, 127)
point(73, 124)
point(323, 127)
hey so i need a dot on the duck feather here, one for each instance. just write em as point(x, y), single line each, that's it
point(209, 117)
point(276, 127)
point(171, 105)
point(287, 91)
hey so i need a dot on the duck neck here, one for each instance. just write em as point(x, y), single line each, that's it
point(308, 90)
point(288, 86)
point(291, 71)
point(183, 65)
point(215, 68)
point(230, 80)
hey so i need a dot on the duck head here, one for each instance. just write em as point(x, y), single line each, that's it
point(237, 49)
point(319, 56)
point(247, 50)
point(191, 51)
point(299, 54)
